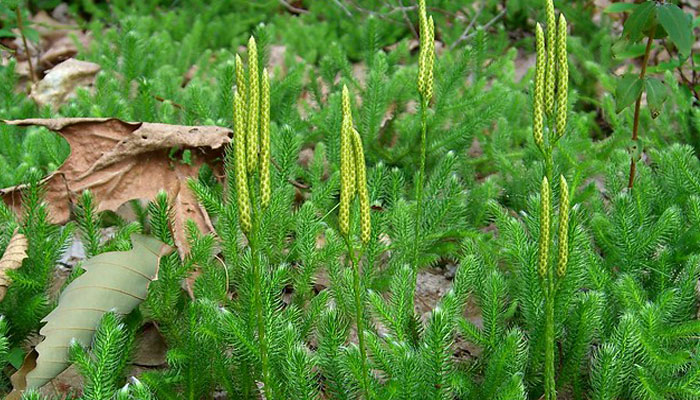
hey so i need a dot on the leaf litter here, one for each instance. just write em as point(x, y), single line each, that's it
point(120, 161)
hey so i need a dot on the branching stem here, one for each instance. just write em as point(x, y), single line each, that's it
point(638, 105)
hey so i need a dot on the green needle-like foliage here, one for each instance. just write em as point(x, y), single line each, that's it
point(404, 211)
point(27, 300)
point(103, 364)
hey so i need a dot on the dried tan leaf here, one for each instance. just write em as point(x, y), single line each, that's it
point(119, 161)
point(19, 378)
point(60, 82)
point(15, 253)
point(115, 281)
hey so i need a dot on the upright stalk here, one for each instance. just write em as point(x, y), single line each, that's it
point(425, 81)
point(638, 105)
point(549, 293)
point(259, 306)
point(550, 100)
point(267, 389)
point(20, 25)
point(353, 183)
point(359, 315)
point(549, 381)
point(252, 156)
point(548, 164)
point(421, 179)
point(254, 244)
point(190, 380)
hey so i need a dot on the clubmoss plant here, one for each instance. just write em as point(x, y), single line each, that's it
point(593, 301)
point(552, 71)
point(253, 179)
point(354, 184)
point(426, 61)
point(28, 299)
point(551, 54)
point(104, 363)
point(194, 356)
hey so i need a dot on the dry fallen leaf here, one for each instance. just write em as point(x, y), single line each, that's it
point(61, 50)
point(19, 378)
point(60, 83)
point(15, 253)
point(115, 281)
point(119, 161)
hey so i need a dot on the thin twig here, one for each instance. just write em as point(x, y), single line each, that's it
point(395, 9)
point(688, 82)
point(467, 29)
point(347, 12)
point(374, 13)
point(408, 20)
point(163, 100)
point(293, 9)
point(638, 106)
point(401, 8)
point(490, 23)
point(291, 181)
point(24, 41)
point(486, 26)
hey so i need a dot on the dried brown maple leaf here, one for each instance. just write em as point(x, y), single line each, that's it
point(15, 253)
point(119, 161)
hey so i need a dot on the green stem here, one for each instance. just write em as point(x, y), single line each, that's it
point(420, 181)
point(257, 278)
point(359, 311)
point(550, 389)
point(638, 106)
point(190, 384)
point(549, 382)
point(549, 166)
point(261, 328)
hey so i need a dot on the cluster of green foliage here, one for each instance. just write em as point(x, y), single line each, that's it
point(626, 322)
point(24, 153)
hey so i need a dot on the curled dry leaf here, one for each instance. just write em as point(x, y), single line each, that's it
point(61, 82)
point(15, 253)
point(119, 161)
point(19, 378)
point(112, 281)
